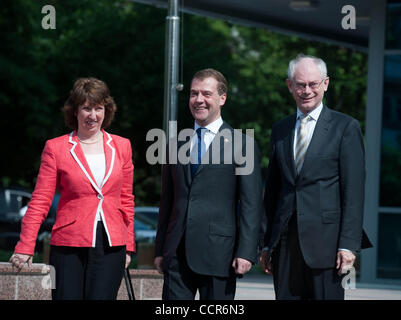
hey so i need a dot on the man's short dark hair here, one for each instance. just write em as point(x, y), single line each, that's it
point(212, 73)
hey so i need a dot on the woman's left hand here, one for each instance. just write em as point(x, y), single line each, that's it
point(127, 260)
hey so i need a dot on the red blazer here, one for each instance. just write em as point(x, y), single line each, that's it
point(64, 167)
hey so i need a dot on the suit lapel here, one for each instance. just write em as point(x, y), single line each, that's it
point(289, 145)
point(79, 156)
point(110, 154)
point(208, 156)
point(319, 138)
point(186, 168)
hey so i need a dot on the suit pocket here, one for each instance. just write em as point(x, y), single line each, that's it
point(222, 230)
point(331, 216)
point(66, 217)
point(64, 221)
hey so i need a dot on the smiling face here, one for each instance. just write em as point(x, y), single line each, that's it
point(307, 74)
point(90, 118)
point(205, 103)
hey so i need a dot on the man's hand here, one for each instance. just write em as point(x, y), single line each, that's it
point(241, 266)
point(345, 261)
point(18, 260)
point(267, 266)
point(158, 263)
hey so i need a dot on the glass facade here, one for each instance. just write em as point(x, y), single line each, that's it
point(390, 173)
point(389, 250)
point(389, 216)
point(393, 25)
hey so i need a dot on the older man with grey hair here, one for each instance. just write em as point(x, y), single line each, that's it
point(314, 191)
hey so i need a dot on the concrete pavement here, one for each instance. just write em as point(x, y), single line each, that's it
point(260, 287)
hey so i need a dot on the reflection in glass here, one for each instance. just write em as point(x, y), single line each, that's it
point(389, 250)
point(390, 172)
point(393, 26)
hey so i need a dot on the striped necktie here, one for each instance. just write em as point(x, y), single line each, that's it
point(302, 141)
point(195, 166)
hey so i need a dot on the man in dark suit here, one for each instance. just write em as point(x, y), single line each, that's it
point(314, 191)
point(209, 214)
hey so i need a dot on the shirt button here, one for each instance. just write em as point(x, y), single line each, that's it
point(99, 196)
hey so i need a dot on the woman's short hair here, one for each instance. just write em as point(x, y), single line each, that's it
point(212, 73)
point(94, 91)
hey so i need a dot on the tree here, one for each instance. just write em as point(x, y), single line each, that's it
point(122, 43)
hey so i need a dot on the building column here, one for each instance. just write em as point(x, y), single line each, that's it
point(373, 136)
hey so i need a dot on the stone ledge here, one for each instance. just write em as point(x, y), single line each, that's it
point(145, 273)
point(147, 285)
point(36, 269)
point(34, 283)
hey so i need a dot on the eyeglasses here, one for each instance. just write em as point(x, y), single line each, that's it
point(312, 85)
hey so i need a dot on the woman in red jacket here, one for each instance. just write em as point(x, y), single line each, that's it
point(93, 236)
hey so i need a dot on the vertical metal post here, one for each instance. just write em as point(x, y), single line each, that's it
point(171, 68)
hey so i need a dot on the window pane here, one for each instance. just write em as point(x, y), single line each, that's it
point(389, 250)
point(390, 182)
point(393, 26)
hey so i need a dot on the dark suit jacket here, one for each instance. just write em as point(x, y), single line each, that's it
point(328, 194)
point(205, 210)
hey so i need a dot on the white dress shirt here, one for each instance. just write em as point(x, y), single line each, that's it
point(97, 164)
point(207, 137)
point(311, 124)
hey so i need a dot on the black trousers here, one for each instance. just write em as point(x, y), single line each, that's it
point(181, 283)
point(294, 279)
point(88, 273)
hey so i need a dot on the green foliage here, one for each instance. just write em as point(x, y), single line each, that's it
point(5, 256)
point(122, 43)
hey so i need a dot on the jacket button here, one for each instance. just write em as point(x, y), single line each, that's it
point(99, 196)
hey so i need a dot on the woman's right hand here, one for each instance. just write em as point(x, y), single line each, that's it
point(18, 260)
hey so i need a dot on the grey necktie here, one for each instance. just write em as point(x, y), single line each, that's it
point(302, 142)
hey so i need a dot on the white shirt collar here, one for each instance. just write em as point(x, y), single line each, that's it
point(314, 114)
point(213, 126)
